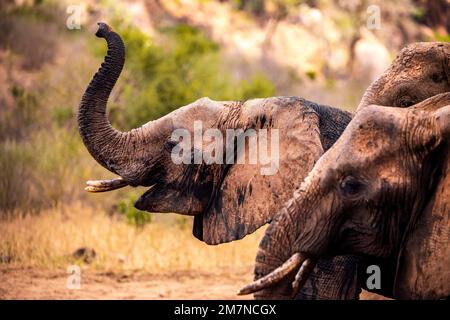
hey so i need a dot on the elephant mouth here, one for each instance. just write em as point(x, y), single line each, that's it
point(105, 185)
point(298, 261)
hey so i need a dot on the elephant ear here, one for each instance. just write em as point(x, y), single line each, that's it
point(423, 265)
point(248, 199)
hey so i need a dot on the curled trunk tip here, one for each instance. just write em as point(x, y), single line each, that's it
point(103, 29)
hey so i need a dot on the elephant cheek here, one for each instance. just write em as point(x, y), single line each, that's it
point(168, 200)
point(318, 232)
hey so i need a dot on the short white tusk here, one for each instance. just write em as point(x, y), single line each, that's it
point(105, 185)
point(302, 275)
point(275, 276)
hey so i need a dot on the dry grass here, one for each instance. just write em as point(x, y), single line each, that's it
point(48, 240)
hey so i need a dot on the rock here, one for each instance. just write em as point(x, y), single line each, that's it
point(85, 253)
point(5, 259)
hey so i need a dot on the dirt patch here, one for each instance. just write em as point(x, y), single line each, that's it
point(32, 283)
point(29, 283)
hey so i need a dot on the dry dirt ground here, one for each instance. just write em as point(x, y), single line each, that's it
point(33, 283)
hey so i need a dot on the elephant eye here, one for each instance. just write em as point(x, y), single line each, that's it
point(350, 186)
point(168, 145)
point(406, 101)
point(436, 77)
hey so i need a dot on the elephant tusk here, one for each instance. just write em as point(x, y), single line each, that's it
point(275, 276)
point(302, 275)
point(105, 185)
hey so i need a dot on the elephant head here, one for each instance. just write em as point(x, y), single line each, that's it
point(229, 200)
point(381, 191)
point(420, 71)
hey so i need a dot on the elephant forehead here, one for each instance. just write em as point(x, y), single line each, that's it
point(420, 52)
point(205, 110)
point(277, 107)
point(374, 130)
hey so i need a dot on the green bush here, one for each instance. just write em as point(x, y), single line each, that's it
point(133, 216)
point(257, 86)
point(62, 115)
point(15, 187)
point(442, 37)
point(16, 122)
point(41, 171)
point(311, 74)
point(255, 7)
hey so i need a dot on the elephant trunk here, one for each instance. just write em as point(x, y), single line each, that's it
point(298, 236)
point(373, 94)
point(113, 149)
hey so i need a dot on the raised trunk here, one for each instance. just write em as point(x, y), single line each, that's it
point(108, 146)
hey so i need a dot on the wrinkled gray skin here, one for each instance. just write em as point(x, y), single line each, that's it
point(383, 191)
point(231, 201)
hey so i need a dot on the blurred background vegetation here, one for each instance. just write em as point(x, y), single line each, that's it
point(177, 51)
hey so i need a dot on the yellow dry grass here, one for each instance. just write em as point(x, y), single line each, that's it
point(48, 240)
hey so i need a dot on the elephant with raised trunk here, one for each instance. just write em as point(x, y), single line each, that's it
point(383, 191)
point(229, 201)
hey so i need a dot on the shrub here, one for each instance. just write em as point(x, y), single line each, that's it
point(258, 86)
point(17, 121)
point(15, 178)
point(62, 115)
point(133, 216)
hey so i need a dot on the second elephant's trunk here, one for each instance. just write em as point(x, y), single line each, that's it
point(299, 234)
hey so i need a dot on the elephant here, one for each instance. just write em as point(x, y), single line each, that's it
point(383, 191)
point(230, 200)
